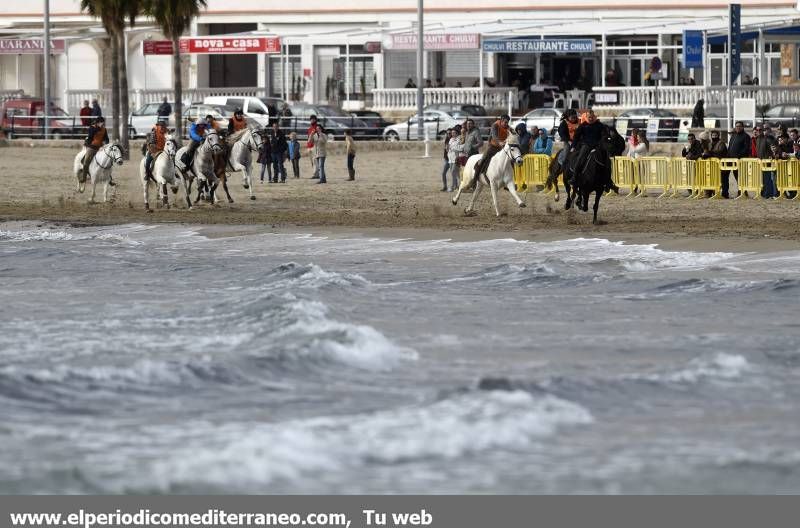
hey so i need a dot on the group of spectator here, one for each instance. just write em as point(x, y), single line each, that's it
point(763, 144)
point(89, 114)
point(276, 150)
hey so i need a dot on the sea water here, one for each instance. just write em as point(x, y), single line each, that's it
point(153, 359)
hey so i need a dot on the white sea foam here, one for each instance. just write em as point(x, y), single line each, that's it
point(313, 276)
point(721, 366)
point(447, 429)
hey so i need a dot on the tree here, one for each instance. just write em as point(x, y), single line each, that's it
point(125, 10)
point(104, 10)
point(174, 17)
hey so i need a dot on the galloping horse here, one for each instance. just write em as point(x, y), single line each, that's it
point(595, 174)
point(163, 173)
point(99, 168)
point(240, 159)
point(206, 162)
point(499, 174)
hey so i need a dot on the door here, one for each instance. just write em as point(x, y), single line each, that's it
point(566, 72)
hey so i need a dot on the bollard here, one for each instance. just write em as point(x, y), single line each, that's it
point(427, 145)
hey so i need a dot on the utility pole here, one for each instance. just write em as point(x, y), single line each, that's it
point(420, 80)
point(46, 63)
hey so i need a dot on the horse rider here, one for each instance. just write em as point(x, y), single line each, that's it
point(156, 141)
point(586, 138)
point(497, 138)
point(197, 131)
point(95, 138)
point(239, 122)
point(566, 131)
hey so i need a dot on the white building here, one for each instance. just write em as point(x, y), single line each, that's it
point(351, 51)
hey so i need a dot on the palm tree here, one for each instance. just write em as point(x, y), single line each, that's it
point(126, 10)
point(104, 10)
point(174, 17)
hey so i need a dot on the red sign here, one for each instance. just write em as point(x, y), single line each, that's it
point(157, 47)
point(372, 47)
point(437, 41)
point(29, 46)
point(211, 44)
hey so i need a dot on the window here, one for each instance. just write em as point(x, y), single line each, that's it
point(234, 101)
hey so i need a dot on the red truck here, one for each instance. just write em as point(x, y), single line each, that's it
point(22, 117)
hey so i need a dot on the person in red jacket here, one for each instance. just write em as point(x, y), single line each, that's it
point(310, 144)
point(86, 114)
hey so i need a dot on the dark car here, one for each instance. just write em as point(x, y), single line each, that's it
point(787, 114)
point(335, 121)
point(372, 118)
point(668, 123)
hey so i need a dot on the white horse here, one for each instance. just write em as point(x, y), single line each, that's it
point(204, 167)
point(163, 173)
point(99, 168)
point(500, 173)
point(240, 158)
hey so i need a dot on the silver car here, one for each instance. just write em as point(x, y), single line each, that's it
point(436, 124)
point(141, 121)
point(546, 118)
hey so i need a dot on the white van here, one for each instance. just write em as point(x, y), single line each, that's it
point(262, 110)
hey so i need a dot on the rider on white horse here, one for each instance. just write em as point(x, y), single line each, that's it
point(196, 134)
point(156, 140)
point(96, 138)
point(497, 139)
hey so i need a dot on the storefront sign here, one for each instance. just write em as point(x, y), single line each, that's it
point(372, 47)
point(157, 47)
point(735, 31)
point(236, 45)
point(437, 41)
point(610, 98)
point(539, 46)
point(692, 49)
point(29, 46)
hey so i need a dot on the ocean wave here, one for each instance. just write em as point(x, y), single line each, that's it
point(247, 454)
point(714, 285)
point(47, 235)
point(721, 366)
point(313, 276)
point(509, 274)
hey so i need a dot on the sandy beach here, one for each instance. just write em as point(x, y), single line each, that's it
point(394, 189)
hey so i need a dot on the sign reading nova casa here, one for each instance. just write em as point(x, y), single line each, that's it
point(539, 46)
point(436, 41)
point(29, 46)
point(213, 44)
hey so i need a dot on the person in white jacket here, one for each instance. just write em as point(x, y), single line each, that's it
point(320, 142)
point(639, 148)
point(455, 149)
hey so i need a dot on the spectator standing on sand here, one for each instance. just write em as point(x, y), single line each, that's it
point(86, 114)
point(164, 109)
point(717, 148)
point(472, 138)
point(446, 167)
point(766, 148)
point(738, 147)
point(265, 157)
point(698, 114)
point(543, 143)
point(525, 138)
point(320, 142)
point(642, 147)
point(279, 148)
point(96, 110)
point(455, 147)
point(294, 154)
point(693, 149)
point(351, 154)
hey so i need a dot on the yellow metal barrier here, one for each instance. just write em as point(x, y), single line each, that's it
point(750, 180)
point(653, 175)
point(789, 177)
point(532, 173)
point(707, 177)
point(681, 176)
point(625, 173)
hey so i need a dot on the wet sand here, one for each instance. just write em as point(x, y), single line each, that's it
point(396, 193)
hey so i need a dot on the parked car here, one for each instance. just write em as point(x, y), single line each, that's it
point(262, 110)
point(546, 118)
point(22, 117)
point(141, 120)
point(201, 110)
point(334, 120)
point(784, 114)
point(436, 123)
point(459, 111)
point(372, 119)
point(638, 117)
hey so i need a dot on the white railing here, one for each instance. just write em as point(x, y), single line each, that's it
point(400, 99)
point(74, 98)
point(685, 97)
